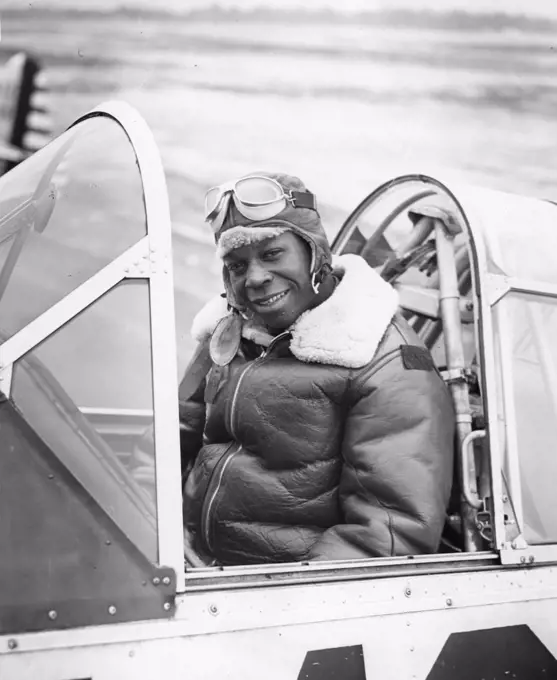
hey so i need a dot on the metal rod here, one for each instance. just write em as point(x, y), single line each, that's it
point(449, 299)
point(431, 331)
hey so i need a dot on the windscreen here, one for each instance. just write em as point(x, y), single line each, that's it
point(525, 327)
point(87, 392)
point(65, 213)
point(87, 389)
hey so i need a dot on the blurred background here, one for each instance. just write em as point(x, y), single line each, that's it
point(345, 94)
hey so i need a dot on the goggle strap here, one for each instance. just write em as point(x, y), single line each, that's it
point(303, 199)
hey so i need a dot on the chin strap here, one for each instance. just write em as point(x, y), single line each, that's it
point(314, 283)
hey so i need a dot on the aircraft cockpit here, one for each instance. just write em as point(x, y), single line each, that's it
point(89, 357)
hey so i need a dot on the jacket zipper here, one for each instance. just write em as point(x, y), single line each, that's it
point(212, 490)
point(251, 365)
point(217, 476)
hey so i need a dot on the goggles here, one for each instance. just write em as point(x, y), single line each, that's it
point(257, 198)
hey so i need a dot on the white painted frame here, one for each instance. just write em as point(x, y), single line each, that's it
point(150, 258)
point(163, 330)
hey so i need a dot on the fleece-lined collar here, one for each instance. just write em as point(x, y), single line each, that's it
point(344, 330)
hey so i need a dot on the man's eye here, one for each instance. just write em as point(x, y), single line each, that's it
point(273, 254)
point(236, 267)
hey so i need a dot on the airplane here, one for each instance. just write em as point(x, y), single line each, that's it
point(93, 339)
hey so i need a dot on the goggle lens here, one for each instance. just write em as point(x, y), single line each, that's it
point(212, 198)
point(257, 198)
point(258, 190)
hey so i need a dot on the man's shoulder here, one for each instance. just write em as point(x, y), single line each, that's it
point(398, 334)
point(400, 346)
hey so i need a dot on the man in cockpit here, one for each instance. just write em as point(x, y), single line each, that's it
point(314, 424)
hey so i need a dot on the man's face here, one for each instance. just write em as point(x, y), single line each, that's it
point(271, 278)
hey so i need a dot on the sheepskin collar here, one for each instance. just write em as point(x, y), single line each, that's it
point(345, 330)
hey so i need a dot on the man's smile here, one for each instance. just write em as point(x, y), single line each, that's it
point(269, 300)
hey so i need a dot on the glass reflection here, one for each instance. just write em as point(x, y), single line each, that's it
point(66, 212)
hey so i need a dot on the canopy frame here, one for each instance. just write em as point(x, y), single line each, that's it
point(149, 258)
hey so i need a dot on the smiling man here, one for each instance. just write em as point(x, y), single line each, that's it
point(271, 279)
point(317, 428)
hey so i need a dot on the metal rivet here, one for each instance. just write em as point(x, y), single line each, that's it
point(531, 559)
point(51, 476)
point(523, 560)
point(514, 545)
point(156, 581)
point(505, 499)
point(166, 580)
point(213, 609)
point(449, 602)
point(108, 542)
point(12, 644)
point(166, 606)
point(53, 615)
point(407, 592)
point(112, 610)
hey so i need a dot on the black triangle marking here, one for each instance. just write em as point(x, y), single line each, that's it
point(340, 663)
point(508, 653)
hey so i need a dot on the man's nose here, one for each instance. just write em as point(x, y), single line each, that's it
point(257, 275)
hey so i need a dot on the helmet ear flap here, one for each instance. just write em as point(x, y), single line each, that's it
point(324, 271)
point(230, 298)
point(229, 294)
